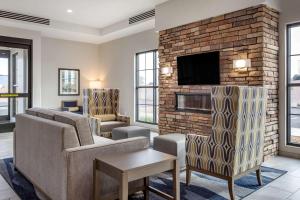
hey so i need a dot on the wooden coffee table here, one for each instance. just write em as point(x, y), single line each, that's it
point(127, 167)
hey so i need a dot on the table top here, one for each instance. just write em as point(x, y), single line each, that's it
point(134, 160)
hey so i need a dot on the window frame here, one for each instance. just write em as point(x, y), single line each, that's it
point(155, 86)
point(289, 85)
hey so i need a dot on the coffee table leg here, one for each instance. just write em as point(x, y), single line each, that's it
point(176, 185)
point(124, 187)
point(146, 191)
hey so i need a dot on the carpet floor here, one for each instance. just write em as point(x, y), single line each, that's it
point(202, 186)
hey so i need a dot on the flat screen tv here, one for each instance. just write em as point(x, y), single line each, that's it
point(199, 69)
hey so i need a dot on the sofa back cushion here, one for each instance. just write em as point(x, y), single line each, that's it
point(80, 123)
point(41, 112)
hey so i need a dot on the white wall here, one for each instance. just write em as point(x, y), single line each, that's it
point(67, 54)
point(179, 12)
point(117, 58)
point(289, 14)
point(36, 62)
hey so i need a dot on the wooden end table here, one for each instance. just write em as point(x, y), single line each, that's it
point(127, 167)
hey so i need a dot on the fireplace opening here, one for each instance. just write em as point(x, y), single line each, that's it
point(193, 102)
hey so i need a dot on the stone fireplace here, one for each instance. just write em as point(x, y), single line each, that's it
point(193, 102)
point(252, 32)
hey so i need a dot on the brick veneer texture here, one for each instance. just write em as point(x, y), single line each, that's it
point(251, 32)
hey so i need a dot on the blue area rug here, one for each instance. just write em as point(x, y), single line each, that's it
point(202, 186)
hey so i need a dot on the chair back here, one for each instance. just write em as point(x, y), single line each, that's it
point(238, 126)
point(100, 101)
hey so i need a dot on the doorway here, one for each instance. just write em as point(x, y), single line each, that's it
point(15, 79)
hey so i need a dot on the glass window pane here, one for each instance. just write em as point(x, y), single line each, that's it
point(141, 96)
point(142, 113)
point(149, 77)
point(141, 61)
point(142, 78)
point(149, 114)
point(295, 128)
point(3, 75)
point(3, 107)
point(295, 40)
point(295, 69)
point(294, 100)
point(19, 71)
point(149, 60)
point(149, 96)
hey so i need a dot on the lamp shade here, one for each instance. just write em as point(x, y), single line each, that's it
point(96, 84)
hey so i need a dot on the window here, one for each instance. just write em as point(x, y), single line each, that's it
point(147, 87)
point(293, 84)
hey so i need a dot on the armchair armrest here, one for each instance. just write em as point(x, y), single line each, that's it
point(80, 166)
point(123, 118)
point(95, 124)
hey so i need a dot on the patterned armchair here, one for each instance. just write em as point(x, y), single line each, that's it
point(102, 108)
point(235, 146)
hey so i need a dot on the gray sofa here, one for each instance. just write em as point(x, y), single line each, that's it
point(55, 151)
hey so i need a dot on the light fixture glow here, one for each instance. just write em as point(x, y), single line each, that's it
point(95, 84)
point(69, 11)
point(241, 63)
point(167, 71)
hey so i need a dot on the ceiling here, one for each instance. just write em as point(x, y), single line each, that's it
point(93, 15)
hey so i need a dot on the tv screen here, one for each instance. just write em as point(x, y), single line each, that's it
point(199, 69)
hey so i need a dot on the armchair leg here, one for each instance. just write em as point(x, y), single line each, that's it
point(258, 175)
point(188, 175)
point(231, 187)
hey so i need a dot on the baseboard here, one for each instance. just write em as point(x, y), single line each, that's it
point(289, 154)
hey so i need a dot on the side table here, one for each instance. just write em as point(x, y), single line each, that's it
point(127, 167)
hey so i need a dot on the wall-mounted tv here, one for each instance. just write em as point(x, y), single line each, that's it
point(199, 69)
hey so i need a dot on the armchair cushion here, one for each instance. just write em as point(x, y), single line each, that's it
point(106, 117)
point(109, 126)
point(73, 109)
point(68, 104)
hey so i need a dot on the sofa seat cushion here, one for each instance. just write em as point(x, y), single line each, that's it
point(41, 112)
point(80, 123)
point(106, 117)
point(101, 140)
point(110, 125)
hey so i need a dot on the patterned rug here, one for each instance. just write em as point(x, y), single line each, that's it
point(202, 186)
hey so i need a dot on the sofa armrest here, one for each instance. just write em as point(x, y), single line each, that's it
point(80, 166)
point(123, 118)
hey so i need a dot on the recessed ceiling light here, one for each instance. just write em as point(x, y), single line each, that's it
point(69, 11)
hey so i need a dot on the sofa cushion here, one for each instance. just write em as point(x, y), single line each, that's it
point(80, 123)
point(106, 117)
point(69, 103)
point(41, 112)
point(109, 126)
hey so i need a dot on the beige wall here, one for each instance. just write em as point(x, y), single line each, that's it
point(289, 14)
point(117, 58)
point(66, 54)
